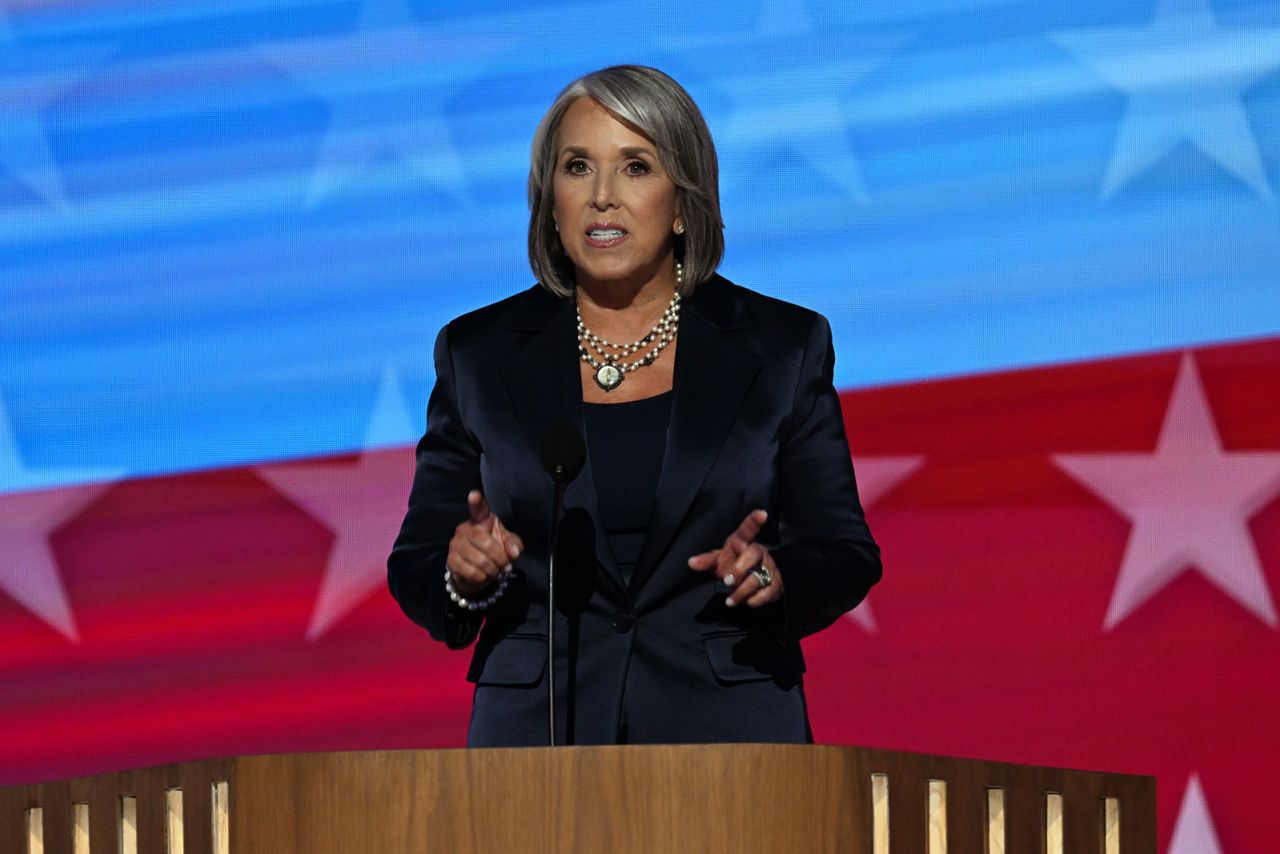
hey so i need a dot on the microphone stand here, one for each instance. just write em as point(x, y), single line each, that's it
point(563, 453)
point(558, 476)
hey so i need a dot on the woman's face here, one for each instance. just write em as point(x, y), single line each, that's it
point(615, 206)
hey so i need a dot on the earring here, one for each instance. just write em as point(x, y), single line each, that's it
point(557, 225)
point(679, 228)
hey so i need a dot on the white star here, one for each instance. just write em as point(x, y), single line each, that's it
point(387, 85)
point(31, 509)
point(1185, 76)
point(361, 502)
point(876, 477)
point(1190, 504)
point(1194, 833)
point(786, 81)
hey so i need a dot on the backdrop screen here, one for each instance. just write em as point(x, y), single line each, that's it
point(1046, 236)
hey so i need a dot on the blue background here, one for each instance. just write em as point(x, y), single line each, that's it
point(224, 225)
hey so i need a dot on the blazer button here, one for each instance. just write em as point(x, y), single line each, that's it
point(623, 622)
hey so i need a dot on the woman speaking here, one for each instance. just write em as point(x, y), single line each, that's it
point(715, 523)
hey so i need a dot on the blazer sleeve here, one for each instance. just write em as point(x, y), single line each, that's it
point(826, 554)
point(447, 468)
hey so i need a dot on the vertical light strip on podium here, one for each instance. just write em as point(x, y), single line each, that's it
point(1053, 823)
point(937, 817)
point(1110, 826)
point(995, 821)
point(879, 814)
point(128, 824)
point(173, 821)
point(221, 819)
point(35, 830)
point(79, 829)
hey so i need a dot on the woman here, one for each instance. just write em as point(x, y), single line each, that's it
point(716, 522)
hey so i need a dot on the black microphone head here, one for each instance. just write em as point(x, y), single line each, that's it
point(563, 449)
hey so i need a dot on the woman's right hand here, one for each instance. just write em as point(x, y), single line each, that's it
point(481, 548)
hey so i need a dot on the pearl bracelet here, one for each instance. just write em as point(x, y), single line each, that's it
point(472, 605)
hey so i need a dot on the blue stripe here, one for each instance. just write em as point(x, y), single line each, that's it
point(221, 223)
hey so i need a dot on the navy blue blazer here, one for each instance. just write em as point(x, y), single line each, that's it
point(755, 422)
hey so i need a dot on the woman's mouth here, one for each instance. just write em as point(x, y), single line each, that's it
point(604, 236)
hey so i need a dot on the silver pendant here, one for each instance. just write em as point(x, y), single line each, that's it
point(608, 377)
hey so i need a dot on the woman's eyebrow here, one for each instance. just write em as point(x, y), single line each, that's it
point(629, 151)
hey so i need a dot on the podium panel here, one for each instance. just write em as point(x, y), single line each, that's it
point(660, 798)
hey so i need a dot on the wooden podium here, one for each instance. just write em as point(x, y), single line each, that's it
point(791, 799)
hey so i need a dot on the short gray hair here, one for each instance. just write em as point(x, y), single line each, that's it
point(652, 104)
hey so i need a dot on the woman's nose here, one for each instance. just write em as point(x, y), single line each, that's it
point(602, 197)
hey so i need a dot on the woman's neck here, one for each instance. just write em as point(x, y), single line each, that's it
point(622, 310)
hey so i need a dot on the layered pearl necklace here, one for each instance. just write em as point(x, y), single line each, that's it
point(610, 368)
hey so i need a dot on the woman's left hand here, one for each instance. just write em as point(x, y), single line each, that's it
point(733, 563)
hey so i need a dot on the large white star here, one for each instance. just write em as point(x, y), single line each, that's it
point(387, 85)
point(1190, 503)
point(1184, 76)
point(876, 477)
point(34, 504)
point(361, 502)
point(1194, 832)
point(786, 81)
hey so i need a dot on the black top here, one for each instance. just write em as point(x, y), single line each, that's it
point(626, 443)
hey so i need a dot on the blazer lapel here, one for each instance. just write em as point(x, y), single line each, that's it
point(542, 378)
point(712, 375)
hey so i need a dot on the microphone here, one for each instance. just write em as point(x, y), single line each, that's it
point(563, 454)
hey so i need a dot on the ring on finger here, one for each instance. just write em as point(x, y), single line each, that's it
point(762, 574)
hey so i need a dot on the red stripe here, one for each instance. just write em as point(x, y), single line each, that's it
point(193, 595)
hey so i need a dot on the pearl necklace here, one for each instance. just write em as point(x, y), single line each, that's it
point(610, 372)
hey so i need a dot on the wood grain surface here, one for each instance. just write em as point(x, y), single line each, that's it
point(753, 798)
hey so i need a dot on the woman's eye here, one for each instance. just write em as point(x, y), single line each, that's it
point(576, 167)
point(637, 167)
